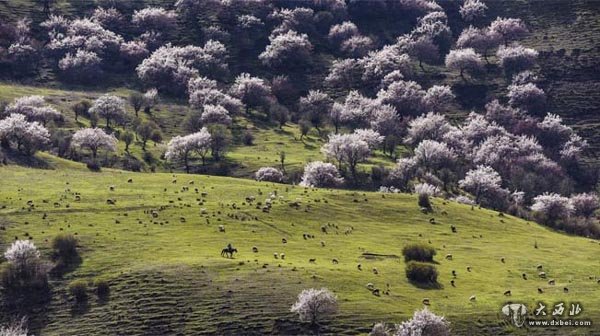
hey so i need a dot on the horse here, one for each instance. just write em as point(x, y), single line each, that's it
point(228, 252)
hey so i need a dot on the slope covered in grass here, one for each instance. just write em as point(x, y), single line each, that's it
point(167, 276)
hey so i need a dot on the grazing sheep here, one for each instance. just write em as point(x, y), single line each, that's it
point(174, 181)
point(431, 220)
point(452, 283)
point(448, 256)
point(276, 255)
point(376, 292)
point(472, 298)
point(130, 180)
point(254, 249)
point(524, 276)
point(111, 188)
point(221, 228)
point(283, 241)
point(566, 289)
point(551, 282)
point(468, 268)
point(375, 271)
point(370, 286)
point(539, 267)
point(542, 275)
point(453, 273)
point(359, 266)
point(334, 261)
point(282, 255)
point(304, 236)
point(453, 228)
point(110, 202)
point(191, 182)
point(77, 198)
point(426, 301)
point(312, 260)
point(541, 291)
point(322, 244)
point(507, 293)
point(502, 260)
point(324, 229)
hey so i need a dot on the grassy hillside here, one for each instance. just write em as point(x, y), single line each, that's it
point(167, 276)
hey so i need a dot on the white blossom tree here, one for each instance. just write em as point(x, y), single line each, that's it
point(509, 28)
point(552, 206)
point(438, 97)
point(28, 137)
point(377, 64)
point(315, 107)
point(215, 114)
point(269, 174)
point(204, 91)
point(34, 108)
point(516, 58)
point(585, 204)
point(81, 65)
point(315, 304)
point(406, 96)
point(321, 174)
point(483, 182)
point(22, 253)
point(430, 126)
point(110, 108)
point(481, 40)
point(287, 49)
point(94, 139)
point(348, 149)
point(252, 91)
point(528, 97)
point(433, 155)
point(464, 60)
point(342, 32)
point(155, 19)
point(181, 147)
point(424, 323)
point(472, 10)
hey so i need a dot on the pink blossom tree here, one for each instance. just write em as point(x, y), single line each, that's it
point(93, 139)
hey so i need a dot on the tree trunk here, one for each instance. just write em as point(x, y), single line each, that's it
point(185, 160)
point(107, 122)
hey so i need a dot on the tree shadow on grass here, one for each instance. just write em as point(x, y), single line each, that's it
point(21, 159)
point(428, 285)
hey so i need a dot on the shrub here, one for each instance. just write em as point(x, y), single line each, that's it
point(421, 273)
point(94, 166)
point(78, 288)
point(418, 252)
point(248, 138)
point(424, 201)
point(64, 248)
point(102, 288)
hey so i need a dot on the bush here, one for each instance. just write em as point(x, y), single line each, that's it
point(14, 280)
point(418, 252)
point(102, 288)
point(64, 247)
point(78, 288)
point(94, 166)
point(248, 138)
point(421, 273)
point(424, 201)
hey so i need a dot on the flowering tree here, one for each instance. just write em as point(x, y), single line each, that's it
point(377, 64)
point(402, 173)
point(34, 108)
point(552, 206)
point(215, 114)
point(27, 136)
point(315, 304)
point(357, 46)
point(483, 182)
point(321, 174)
point(341, 32)
point(315, 107)
point(299, 19)
point(472, 10)
point(134, 51)
point(108, 18)
point(287, 49)
point(371, 137)
point(171, 68)
point(585, 204)
point(424, 322)
point(480, 39)
point(349, 149)
point(109, 107)
point(464, 60)
point(81, 65)
point(405, 96)
point(516, 58)
point(269, 174)
point(252, 91)
point(427, 189)
point(438, 97)
point(155, 19)
point(431, 126)
point(528, 96)
point(380, 329)
point(180, 147)
point(22, 253)
point(510, 29)
point(434, 155)
point(385, 121)
point(344, 73)
point(422, 48)
point(94, 139)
